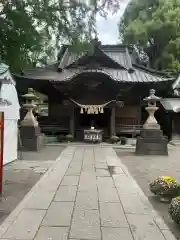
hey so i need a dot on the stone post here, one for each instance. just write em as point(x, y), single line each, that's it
point(175, 140)
point(31, 137)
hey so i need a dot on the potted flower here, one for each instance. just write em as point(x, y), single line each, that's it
point(114, 139)
point(165, 188)
point(174, 209)
point(69, 138)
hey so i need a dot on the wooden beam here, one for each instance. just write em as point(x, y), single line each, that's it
point(72, 123)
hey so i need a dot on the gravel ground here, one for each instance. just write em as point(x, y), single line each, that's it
point(146, 168)
point(20, 176)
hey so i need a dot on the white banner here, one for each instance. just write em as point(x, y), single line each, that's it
point(10, 141)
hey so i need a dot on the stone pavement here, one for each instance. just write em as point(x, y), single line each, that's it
point(87, 194)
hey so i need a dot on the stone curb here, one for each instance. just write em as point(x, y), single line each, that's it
point(92, 145)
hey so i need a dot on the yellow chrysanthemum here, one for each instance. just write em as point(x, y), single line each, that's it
point(168, 179)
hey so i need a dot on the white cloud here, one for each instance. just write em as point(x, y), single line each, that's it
point(108, 28)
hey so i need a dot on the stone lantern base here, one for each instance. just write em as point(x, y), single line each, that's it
point(31, 138)
point(151, 142)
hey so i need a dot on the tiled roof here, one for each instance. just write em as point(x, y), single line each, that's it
point(176, 84)
point(119, 55)
point(138, 76)
point(69, 58)
point(5, 75)
point(3, 68)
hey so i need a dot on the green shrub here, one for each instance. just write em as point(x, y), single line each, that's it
point(61, 138)
point(69, 138)
point(123, 140)
point(174, 209)
point(114, 139)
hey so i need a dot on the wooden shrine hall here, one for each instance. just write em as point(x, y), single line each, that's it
point(102, 86)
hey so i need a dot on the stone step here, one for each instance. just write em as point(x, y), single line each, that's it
point(51, 139)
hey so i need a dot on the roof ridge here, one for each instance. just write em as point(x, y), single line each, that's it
point(111, 58)
point(3, 68)
point(128, 59)
point(150, 70)
point(65, 53)
point(83, 53)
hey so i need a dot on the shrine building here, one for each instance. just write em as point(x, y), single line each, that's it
point(103, 86)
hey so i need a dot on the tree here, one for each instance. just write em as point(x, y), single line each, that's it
point(31, 30)
point(153, 27)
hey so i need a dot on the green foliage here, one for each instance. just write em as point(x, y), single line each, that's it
point(174, 209)
point(153, 27)
point(61, 138)
point(114, 139)
point(32, 30)
point(123, 140)
point(69, 138)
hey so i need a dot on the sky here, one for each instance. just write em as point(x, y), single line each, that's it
point(108, 29)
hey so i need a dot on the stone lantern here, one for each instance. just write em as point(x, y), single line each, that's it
point(151, 140)
point(29, 119)
point(151, 122)
point(31, 137)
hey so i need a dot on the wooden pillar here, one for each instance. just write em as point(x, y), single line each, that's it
point(139, 113)
point(175, 127)
point(49, 110)
point(72, 123)
point(112, 122)
point(50, 106)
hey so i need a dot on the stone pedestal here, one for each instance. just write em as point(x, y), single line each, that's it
point(151, 142)
point(31, 138)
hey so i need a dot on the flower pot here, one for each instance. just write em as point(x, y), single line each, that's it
point(164, 199)
point(165, 188)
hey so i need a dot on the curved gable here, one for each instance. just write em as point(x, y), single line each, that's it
point(98, 55)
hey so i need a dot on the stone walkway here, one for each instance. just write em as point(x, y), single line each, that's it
point(87, 194)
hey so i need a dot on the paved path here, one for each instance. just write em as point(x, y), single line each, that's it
point(87, 194)
point(21, 175)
